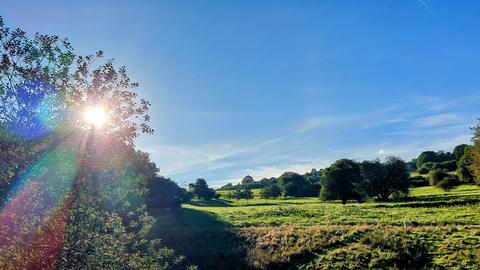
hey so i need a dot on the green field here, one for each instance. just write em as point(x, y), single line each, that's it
point(307, 233)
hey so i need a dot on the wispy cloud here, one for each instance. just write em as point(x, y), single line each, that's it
point(427, 7)
point(437, 120)
point(396, 130)
point(317, 122)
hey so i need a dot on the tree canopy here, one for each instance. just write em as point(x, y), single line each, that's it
point(342, 181)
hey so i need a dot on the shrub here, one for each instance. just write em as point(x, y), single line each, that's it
point(423, 170)
point(449, 165)
point(437, 176)
point(428, 165)
point(270, 192)
point(448, 183)
point(419, 181)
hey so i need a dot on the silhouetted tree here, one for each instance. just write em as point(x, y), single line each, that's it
point(201, 190)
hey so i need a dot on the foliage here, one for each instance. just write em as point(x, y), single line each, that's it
point(412, 165)
point(423, 170)
point(426, 156)
point(270, 192)
point(294, 185)
point(78, 198)
point(201, 190)
point(264, 182)
point(475, 153)
point(464, 170)
point(247, 180)
point(449, 165)
point(459, 150)
point(164, 193)
point(448, 183)
point(437, 175)
point(384, 179)
point(240, 194)
point(419, 181)
point(342, 181)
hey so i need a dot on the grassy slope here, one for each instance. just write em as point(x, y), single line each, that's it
point(309, 234)
point(456, 208)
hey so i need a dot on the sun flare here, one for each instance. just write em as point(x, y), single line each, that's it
point(95, 116)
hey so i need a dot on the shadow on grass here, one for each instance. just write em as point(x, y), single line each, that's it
point(201, 238)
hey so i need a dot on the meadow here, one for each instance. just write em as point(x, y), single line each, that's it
point(431, 229)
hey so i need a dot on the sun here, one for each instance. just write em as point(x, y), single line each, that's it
point(95, 116)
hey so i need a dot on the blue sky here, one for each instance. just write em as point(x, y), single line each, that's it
point(263, 87)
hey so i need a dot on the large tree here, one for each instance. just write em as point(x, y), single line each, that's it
point(387, 178)
point(294, 184)
point(79, 201)
point(342, 181)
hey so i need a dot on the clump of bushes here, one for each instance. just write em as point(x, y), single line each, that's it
point(437, 175)
point(442, 179)
point(419, 181)
point(423, 170)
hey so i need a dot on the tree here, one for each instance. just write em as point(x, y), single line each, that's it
point(437, 175)
point(412, 165)
point(294, 185)
point(342, 181)
point(164, 193)
point(270, 192)
point(201, 190)
point(475, 153)
point(426, 156)
point(81, 199)
point(247, 194)
point(396, 178)
point(384, 179)
point(228, 186)
point(464, 164)
point(234, 194)
point(247, 180)
point(459, 150)
point(448, 183)
point(314, 177)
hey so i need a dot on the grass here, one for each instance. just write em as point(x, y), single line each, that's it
point(311, 211)
point(305, 233)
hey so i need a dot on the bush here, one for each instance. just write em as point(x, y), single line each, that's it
point(448, 183)
point(419, 181)
point(295, 185)
point(428, 165)
point(423, 170)
point(437, 175)
point(450, 165)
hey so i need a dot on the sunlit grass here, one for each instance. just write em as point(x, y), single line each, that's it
point(309, 211)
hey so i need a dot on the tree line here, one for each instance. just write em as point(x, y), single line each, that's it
point(348, 179)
